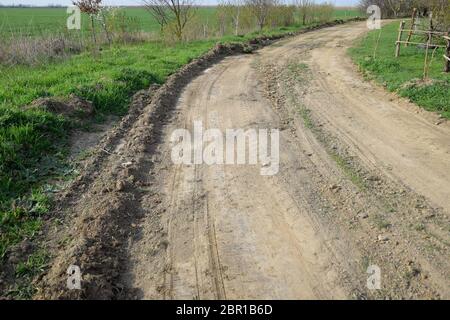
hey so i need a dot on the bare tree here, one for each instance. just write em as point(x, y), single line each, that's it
point(235, 13)
point(92, 8)
point(260, 10)
point(404, 8)
point(232, 9)
point(396, 6)
point(386, 11)
point(103, 14)
point(305, 9)
point(172, 14)
point(222, 16)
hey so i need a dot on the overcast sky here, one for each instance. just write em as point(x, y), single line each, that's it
point(132, 2)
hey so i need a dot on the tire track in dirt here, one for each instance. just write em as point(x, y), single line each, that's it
point(302, 233)
point(425, 256)
point(201, 223)
point(229, 200)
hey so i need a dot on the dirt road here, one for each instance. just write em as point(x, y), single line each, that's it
point(363, 180)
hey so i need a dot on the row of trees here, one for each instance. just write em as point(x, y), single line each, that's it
point(310, 11)
point(112, 21)
point(404, 8)
point(174, 16)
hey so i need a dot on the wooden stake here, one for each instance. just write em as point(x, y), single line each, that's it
point(413, 22)
point(376, 44)
point(431, 25)
point(447, 55)
point(425, 67)
point(424, 43)
point(400, 32)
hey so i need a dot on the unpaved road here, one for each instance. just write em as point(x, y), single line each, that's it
point(364, 180)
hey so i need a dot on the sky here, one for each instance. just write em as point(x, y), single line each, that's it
point(132, 2)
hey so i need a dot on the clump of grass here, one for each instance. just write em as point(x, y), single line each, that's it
point(365, 262)
point(305, 114)
point(34, 265)
point(380, 222)
point(28, 155)
point(22, 219)
point(22, 291)
point(419, 227)
point(25, 271)
point(348, 169)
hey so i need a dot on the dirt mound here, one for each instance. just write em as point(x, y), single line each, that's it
point(73, 106)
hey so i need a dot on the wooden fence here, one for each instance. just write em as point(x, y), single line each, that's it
point(427, 45)
point(447, 54)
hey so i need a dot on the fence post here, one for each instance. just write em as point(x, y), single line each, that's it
point(400, 32)
point(413, 23)
point(447, 54)
point(425, 65)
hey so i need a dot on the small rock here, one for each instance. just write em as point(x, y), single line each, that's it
point(420, 206)
point(334, 187)
point(430, 216)
point(362, 215)
point(127, 164)
point(383, 238)
point(120, 185)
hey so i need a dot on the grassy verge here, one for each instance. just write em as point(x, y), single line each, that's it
point(404, 74)
point(32, 141)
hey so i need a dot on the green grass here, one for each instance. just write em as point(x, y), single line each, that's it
point(347, 13)
point(33, 265)
point(380, 222)
point(39, 21)
point(24, 273)
point(32, 141)
point(401, 74)
point(106, 79)
point(348, 169)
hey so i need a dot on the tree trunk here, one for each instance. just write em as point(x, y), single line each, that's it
point(108, 36)
point(236, 25)
point(94, 38)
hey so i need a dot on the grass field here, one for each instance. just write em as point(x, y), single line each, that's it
point(41, 21)
point(403, 74)
point(38, 21)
